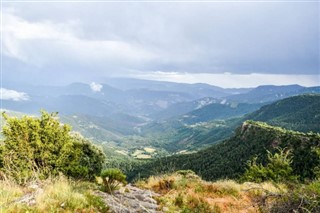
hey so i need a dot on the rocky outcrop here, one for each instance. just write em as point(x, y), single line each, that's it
point(130, 199)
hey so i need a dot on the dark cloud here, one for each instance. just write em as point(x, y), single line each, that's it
point(93, 40)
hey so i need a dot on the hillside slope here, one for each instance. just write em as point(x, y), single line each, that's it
point(228, 159)
point(299, 113)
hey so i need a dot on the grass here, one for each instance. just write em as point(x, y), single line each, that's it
point(9, 192)
point(185, 192)
point(182, 191)
point(53, 195)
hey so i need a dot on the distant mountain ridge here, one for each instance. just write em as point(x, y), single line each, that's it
point(269, 93)
point(299, 113)
point(141, 97)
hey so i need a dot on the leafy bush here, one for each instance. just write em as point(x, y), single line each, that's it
point(42, 147)
point(316, 169)
point(111, 179)
point(278, 168)
point(80, 159)
point(303, 198)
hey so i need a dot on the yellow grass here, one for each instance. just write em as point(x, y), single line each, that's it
point(52, 195)
point(9, 192)
point(188, 191)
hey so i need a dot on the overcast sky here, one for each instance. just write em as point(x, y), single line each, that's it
point(230, 44)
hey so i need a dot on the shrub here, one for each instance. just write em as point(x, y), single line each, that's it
point(301, 199)
point(42, 147)
point(166, 184)
point(178, 201)
point(80, 159)
point(111, 179)
point(278, 168)
point(316, 170)
point(196, 204)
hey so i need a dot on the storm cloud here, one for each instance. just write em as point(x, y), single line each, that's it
point(93, 41)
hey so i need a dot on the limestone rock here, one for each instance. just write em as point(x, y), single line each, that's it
point(130, 199)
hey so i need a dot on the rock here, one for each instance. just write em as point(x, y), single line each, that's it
point(29, 198)
point(131, 199)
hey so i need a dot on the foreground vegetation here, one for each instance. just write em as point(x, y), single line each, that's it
point(184, 191)
point(44, 167)
point(52, 195)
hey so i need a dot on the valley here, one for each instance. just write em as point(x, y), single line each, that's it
point(130, 117)
point(190, 146)
point(159, 106)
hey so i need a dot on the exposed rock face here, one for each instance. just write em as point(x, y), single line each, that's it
point(130, 199)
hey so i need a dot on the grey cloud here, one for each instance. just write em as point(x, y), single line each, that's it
point(239, 38)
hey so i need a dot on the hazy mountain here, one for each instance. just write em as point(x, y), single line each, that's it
point(198, 90)
point(157, 99)
point(182, 108)
point(218, 111)
point(269, 93)
point(300, 113)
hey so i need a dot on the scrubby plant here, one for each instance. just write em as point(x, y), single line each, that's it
point(196, 204)
point(166, 184)
point(316, 169)
point(40, 147)
point(80, 159)
point(111, 179)
point(278, 168)
point(223, 188)
point(178, 201)
point(302, 198)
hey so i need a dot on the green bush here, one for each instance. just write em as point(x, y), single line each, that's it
point(111, 179)
point(278, 168)
point(42, 147)
point(316, 169)
point(302, 198)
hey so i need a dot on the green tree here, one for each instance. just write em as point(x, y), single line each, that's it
point(37, 147)
point(278, 168)
point(80, 159)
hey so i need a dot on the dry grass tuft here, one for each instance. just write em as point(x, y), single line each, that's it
point(184, 191)
point(53, 195)
point(9, 192)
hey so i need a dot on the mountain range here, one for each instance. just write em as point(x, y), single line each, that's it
point(127, 115)
point(154, 99)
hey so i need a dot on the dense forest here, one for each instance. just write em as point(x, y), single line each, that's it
point(228, 158)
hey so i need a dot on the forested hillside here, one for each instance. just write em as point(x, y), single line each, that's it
point(228, 159)
point(299, 113)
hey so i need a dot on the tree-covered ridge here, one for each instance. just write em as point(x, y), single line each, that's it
point(300, 113)
point(229, 158)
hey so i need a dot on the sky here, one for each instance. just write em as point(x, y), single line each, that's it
point(227, 44)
